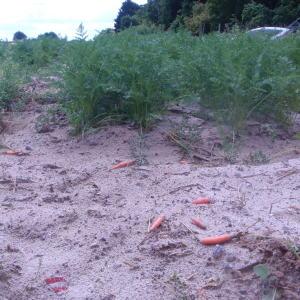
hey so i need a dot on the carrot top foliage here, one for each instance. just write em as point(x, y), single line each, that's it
point(133, 74)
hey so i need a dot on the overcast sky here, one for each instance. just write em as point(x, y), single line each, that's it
point(34, 17)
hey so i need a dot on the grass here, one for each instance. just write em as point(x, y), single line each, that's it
point(132, 75)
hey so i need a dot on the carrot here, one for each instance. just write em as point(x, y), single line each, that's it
point(54, 280)
point(157, 222)
point(123, 164)
point(59, 289)
point(198, 223)
point(214, 240)
point(13, 152)
point(202, 201)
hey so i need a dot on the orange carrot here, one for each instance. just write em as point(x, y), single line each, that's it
point(157, 222)
point(14, 152)
point(202, 201)
point(198, 223)
point(214, 240)
point(123, 164)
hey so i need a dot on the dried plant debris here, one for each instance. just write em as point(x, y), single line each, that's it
point(278, 268)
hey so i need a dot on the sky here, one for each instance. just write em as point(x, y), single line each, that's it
point(34, 17)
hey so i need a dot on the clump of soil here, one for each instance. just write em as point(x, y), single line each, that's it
point(282, 260)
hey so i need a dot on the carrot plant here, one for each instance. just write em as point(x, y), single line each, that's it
point(133, 74)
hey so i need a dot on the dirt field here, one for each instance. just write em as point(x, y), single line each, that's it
point(66, 215)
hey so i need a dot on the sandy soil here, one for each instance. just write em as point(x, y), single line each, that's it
point(65, 213)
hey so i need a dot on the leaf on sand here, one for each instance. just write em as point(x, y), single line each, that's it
point(262, 271)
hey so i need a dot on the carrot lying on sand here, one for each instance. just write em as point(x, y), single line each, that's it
point(54, 280)
point(202, 201)
point(214, 240)
point(157, 223)
point(198, 223)
point(14, 152)
point(123, 164)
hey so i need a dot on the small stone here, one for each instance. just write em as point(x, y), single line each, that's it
point(92, 143)
point(218, 251)
point(230, 258)
point(227, 268)
point(95, 245)
point(28, 148)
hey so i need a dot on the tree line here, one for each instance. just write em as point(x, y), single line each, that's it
point(207, 15)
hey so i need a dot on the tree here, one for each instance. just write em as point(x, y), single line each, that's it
point(287, 12)
point(255, 15)
point(222, 12)
point(81, 33)
point(128, 21)
point(19, 35)
point(128, 9)
point(48, 35)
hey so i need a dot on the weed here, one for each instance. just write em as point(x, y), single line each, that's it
point(230, 150)
point(186, 136)
point(179, 287)
point(46, 121)
point(258, 158)
point(137, 147)
point(294, 248)
point(268, 291)
point(268, 130)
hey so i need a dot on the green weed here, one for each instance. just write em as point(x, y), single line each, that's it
point(258, 158)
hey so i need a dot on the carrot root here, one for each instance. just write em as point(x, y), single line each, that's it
point(214, 240)
point(123, 164)
point(13, 153)
point(198, 223)
point(157, 223)
point(202, 201)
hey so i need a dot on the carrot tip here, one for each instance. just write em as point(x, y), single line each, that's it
point(157, 223)
point(198, 223)
point(123, 164)
point(202, 201)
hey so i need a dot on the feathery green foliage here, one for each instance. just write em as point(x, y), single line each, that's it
point(133, 76)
